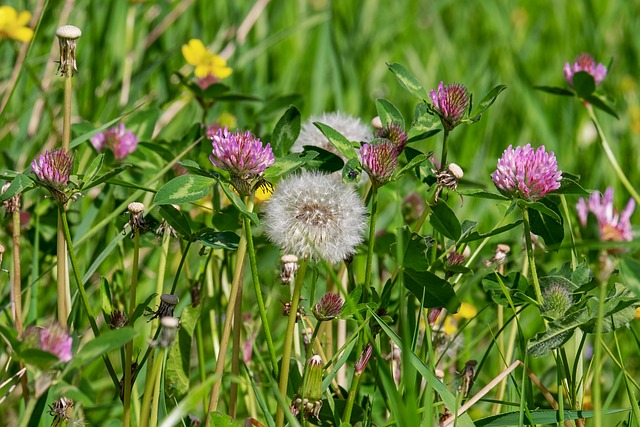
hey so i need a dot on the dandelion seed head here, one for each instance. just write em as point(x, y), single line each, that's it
point(350, 127)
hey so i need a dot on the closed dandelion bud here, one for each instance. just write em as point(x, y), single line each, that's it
point(362, 361)
point(136, 217)
point(556, 300)
point(309, 400)
point(67, 38)
point(433, 315)
point(329, 307)
point(289, 268)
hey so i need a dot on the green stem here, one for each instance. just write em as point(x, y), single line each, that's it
point(288, 340)
point(145, 411)
point(129, 347)
point(66, 125)
point(226, 330)
point(445, 146)
point(353, 392)
point(611, 156)
point(597, 356)
point(532, 261)
point(235, 354)
point(61, 277)
point(84, 297)
point(174, 285)
point(372, 237)
point(258, 291)
point(16, 282)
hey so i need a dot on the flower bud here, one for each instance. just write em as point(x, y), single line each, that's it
point(362, 361)
point(556, 300)
point(329, 307)
point(289, 268)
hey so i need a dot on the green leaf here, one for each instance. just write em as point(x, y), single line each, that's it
point(584, 84)
point(444, 220)
point(110, 340)
point(416, 250)
point(539, 416)
point(570, 186)
point(36, 357)
point(178, 365)
point(323, 160)
point(141, 308)
point(425, 124)
point(554, 90)
point(416, 161)
point(11, 336)
point(286, 132)
point(486, 102)
point(238, 97)
point(546, 222)
point(619, 309)
point(176, 219)
point(408, 81)
point(431, 290)
point(273, 105)
point(515, 283)
point(600, 104)
point(553, 338)
point(477, 236)
point(218, 419)
point(352, 171)
point(183, 189)
point(92, 170)
point(288, 164)
point(189, 403)
point(388, 113)
point(195, 169)
point(342, 144)
point(19, 184)
point(107, 176)
point(482, 194)
point(238, 203)
point(218, 239)
point(105, 296)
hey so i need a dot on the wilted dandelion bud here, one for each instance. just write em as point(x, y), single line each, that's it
point(286, 310)
point(136, 218)
point(117, 319)
point(500, 256)
point(556, 300)
point(362, 361)
point(67, 37)
point(168, 303)
point(309, 399)
point(169, 329)
point(12, 204)
point(289, 268)
point(61, 410)
point(455, 258)
point(379, 160)
point(448, 178)
point(450, 102)
point(329, 307)
point(53, 169)
point(433, 315)
point(394, 133)
point(467, 377)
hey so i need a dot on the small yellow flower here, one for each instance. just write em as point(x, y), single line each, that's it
point(263, 193)
point(638, 313)
point(228, 120)
point(450, 326)
point(14, 25)
point(206, 63)
point(467, 311)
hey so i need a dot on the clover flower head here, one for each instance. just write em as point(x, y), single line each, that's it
point(53, 168)
point(450, 102)
point(55, 340)
point(379, 160)
point(586, 63)
point(614, 226)
point(14, 25)
point(117, 139)
point(313, 215)
point(350, 127)
point(556, 300)
point(362, 361)
point(526, 173)
point(394, 133)
point(329, 307)
point(206, 63)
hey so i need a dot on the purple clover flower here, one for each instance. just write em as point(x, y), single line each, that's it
point(394, 133)
point(614, 226)
point(379, 160)
point(527, 174)
point(585, 62)
point(450, 102)
point(117, 139)
point(53, 168)
point(57, 341)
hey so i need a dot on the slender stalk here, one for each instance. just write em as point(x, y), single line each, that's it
point(597, 357)
point(609, 153)
point(288, 339)
point(353, 392)
point(258, 291)
point(155, 403)
point(66, 124)
point(129, 347)
point(226, 330)
point(84, 297)
point(445, 147)
point(532, 261)
point(235, 354)
point(61, 277)
point(149, 389)
point(372, 237)
point(16, 290)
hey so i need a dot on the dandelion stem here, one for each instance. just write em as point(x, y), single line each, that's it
point(532, 261)
point(150, 389)
point(129, 347)
point(372, 237)
point(61, 277)
point(66, 124)
point(288, 339)
point(353, 392)
point(597, 357)
point(226, 330)
point(256, 285)
point(611, 156)
point(84, 297)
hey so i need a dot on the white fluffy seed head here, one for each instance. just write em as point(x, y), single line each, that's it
point(350, 127)
point(313, 215)
point(68, 32)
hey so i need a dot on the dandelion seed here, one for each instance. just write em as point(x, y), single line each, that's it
point(527, 174)
point(614, 226)
point(586, 63)
point(117, 139)
point(313, 214)
point(450, 102)
point(350, 127)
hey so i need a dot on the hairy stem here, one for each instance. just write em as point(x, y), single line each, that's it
point(129, 347)
point(372, 237)
point(532, 260)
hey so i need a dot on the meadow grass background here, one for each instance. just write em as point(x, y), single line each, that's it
point(333, 55)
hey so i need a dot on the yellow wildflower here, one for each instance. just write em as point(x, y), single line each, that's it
point(467, 311)
point(450, 326)
point(206, 63)
point(13, 25)
point(228, 120)
point(263, 193)
point(638, 313)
